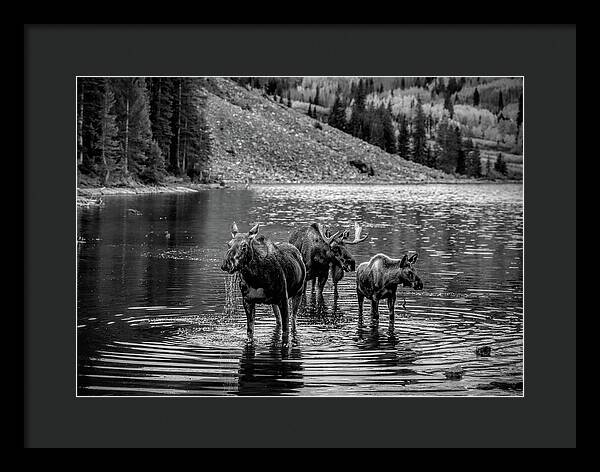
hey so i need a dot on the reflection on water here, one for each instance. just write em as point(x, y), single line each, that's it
point(156, 315)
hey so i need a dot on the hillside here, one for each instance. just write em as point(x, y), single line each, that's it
point(252, 136)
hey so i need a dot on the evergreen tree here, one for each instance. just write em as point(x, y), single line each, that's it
point(154, 171)
point(500, 102)
point(446, 144)
point(176, 124)
point(500, 164)
point(403, 138)
point(402, 84)
point(317, 97)
point(108, 143)
point(431, 158)
point(337, 118)
point(389, 133)
point(374, 123)
point(448, 104)
point(476, 98)
point(473, 164)
point(161, 112)
point(419, 138)
point(193, 134)
point(452, 86)
point(461, 164)
point(91, 112)
point(133, 122)
point(358, 110)
point(289, 99)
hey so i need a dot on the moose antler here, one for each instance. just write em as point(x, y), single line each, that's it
point(327, 239)
point(357, 235)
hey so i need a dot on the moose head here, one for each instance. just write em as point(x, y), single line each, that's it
point(239, 248)
point(408, 275)
point(337, 244)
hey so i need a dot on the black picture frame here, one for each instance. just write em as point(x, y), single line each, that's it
point(53, 55)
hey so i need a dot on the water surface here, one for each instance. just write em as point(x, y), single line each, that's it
point(156, 315)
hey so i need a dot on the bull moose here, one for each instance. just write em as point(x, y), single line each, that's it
point(269, 274)
point(379, 278)
point(322, 252)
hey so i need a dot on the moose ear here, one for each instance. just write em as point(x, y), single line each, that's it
point(413, 258)
point(254, 230)
point(404, 261)
point(234, 229)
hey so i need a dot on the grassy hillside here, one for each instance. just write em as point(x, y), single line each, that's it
point(253, 136)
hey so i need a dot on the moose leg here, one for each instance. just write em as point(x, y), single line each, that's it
point(391, 301)
point(285, 320)
point(249, 307)
point(277, 314)
point(375, 309)
point(321, 285)
point(295, 305)
point(361, 299)
point(303, 294)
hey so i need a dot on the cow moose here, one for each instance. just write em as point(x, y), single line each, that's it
point(322, 252)
point(269, 274)
point(379, 278)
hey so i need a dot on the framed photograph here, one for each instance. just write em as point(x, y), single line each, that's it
point(237, 243)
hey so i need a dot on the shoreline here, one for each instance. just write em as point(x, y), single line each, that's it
point(96, 192)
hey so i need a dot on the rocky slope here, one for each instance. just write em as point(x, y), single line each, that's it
point(253, 137)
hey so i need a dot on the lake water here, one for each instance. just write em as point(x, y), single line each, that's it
point(157, 316)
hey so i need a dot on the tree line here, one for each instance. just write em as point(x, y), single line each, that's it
point(363, 108)
point(141, 129)
point(449, 151)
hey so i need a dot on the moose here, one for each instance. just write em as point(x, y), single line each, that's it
point(379, 278)
point(322, 252)
point(270, 273)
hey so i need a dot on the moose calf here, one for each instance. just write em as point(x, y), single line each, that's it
point(379, 278)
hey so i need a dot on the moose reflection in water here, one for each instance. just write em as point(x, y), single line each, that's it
point(323, 253)
point(276, 370)
point(269, 274)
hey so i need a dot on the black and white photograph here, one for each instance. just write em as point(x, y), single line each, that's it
point(299, 236)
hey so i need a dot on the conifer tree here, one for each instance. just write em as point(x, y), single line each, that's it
point(461, 164)
point(108, 143)
point(473, 165)
point(161, 112)
point(419, 138)
point(448, 104)
point(358, 110)
point(500, 164)
point(133, 122)
point(91, 110)
point(476, 97)
point(317, 97)
point(389, 133)
point(337, 118)
point(403, 138)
